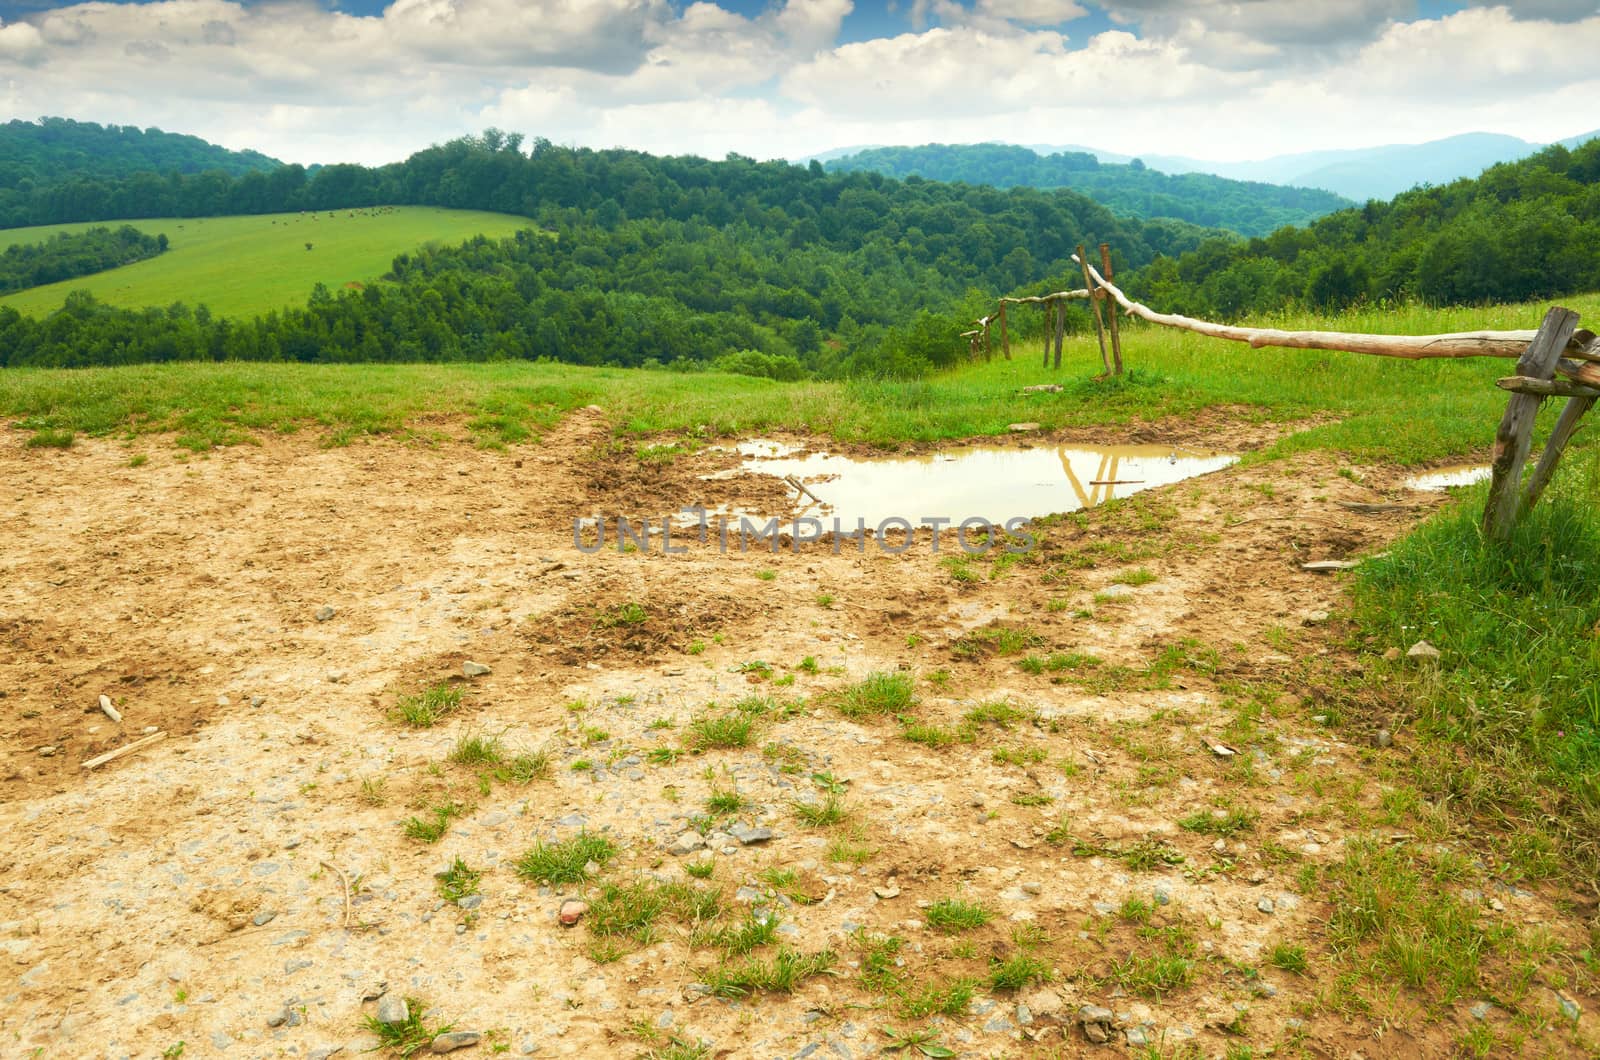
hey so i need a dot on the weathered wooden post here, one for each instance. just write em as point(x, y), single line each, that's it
point(1515, 436)
point(1061, 327)
point(1116, 338)
point(1005, 336)
point(1049, 327)
point(1094, 308)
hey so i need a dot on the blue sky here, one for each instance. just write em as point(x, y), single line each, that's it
point(1223, 79)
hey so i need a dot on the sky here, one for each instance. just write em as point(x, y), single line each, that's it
point(367, 81)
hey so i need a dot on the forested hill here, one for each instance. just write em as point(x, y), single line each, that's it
point(55, 150)
point(645, 258)
point(1525, 229)
point(1216, 202)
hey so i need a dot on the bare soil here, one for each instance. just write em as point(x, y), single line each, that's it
point(187, 590)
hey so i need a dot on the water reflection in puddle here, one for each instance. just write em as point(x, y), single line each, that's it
point(986, 482)
point(1449, 477)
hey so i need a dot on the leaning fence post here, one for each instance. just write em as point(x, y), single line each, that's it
point(1094, 310)
point(1515, 435)
point(1111, 312)
point(1005, 336)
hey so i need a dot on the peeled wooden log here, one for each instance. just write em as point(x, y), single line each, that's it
point(1521, 384)
point(1409, 347)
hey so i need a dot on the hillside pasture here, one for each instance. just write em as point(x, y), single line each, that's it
point(245, 266)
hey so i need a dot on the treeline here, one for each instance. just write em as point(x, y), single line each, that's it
point(1216, 202)
point(70, 255)
point(642, 294)
point(1522, 230)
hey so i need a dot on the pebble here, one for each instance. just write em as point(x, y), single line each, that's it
point(337, 676)
point(323, 1052)
point(1481, 1010)
point(888, 890)
point(260, 701)
point(474, 669)
point(453, 1040)
point(1137, 1038)
point(749, 834)
point(1096, 1021)
point(1262, 988)
point(687, 843)
point(1266, 906)
point(220, 1041)
point(572, 911)
point(1160, 896)
point(1570, 1009)
point(48, 751)
point(1422, 652)
point(1032, 887)
point(324, 613)
point(1382, 738)
point(392, 1010)
point(1391, 655)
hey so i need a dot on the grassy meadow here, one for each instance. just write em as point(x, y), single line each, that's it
point(245, 266)
point(1406, 412)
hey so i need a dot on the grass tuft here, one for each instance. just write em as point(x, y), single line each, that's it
point(565, 861)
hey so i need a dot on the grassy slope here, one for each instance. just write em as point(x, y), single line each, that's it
point(243, 266)
point(1403, 411)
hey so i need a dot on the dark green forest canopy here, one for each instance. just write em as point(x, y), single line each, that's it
point(1131, 189)
point(55, 150)
point(72, 254)
point(1522, 230)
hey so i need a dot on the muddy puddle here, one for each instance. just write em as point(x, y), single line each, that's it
point(1449, 477)
point(995, 483)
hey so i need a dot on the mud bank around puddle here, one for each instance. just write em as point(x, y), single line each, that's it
point(183, 894)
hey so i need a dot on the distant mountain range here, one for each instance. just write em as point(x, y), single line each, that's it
point(1359, 174)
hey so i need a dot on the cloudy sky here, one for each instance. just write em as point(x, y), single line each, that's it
point(368, 81)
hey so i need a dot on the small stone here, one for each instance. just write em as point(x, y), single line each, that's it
point(1032, 887)
point(474, 669)
point(1382, 738)
point(1569, 1008)
point(572, 911)
point(687, 843)
point(1262, 988)
point(325, 1051)
point(392, 1010)
point(1024, 1015)
point(260, 701)
point(278, 1018)
point(1391, 655)
point(887, 891)
point(324, 613)
point(749, 834)
point(1116, 591)
point(264, 917)
point(48, 751)
point(1481, 1010)
point(1137, 1038)
point(1160, 896)
point(337, 676)
point(1266, 906)
point(1096, 1021)
point(1022, 428)
point(1315, 618)
point(453, 1040)
point(1422, 652)
point(220, 1041)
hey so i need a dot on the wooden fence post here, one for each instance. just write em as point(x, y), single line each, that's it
point(1116, 338)
point(1061, 328)
point(1094, 309)
point(1005, 336)
point(1049, 326)
point(1565, 428)
point(1515, 436)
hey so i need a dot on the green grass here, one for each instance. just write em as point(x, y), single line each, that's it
point(781, 974)
point(458, 881)
point(565, 861)
point(245, 266)
point(408, 1038)
point(952, 915)
point(1386, 409)
point(877, 694)
point(1516, 625)
point(720, 731)
point(422, 710)
point(477, 749)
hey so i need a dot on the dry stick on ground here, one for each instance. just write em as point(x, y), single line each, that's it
point(1409, 347)
point(125, 749)
point(343, 882)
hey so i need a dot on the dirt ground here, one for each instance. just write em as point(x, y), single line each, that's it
point(191, 892)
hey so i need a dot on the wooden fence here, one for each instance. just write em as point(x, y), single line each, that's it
point(1556, 349)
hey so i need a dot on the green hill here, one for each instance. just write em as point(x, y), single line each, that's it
point(1132, 189)
point(53, 149)
point(243, 266)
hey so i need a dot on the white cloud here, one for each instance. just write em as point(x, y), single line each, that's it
point(1202, 77)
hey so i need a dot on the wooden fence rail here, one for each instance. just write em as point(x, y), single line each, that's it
point(1558, 347)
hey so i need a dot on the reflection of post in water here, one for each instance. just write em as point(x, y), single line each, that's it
point(1101, 487)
